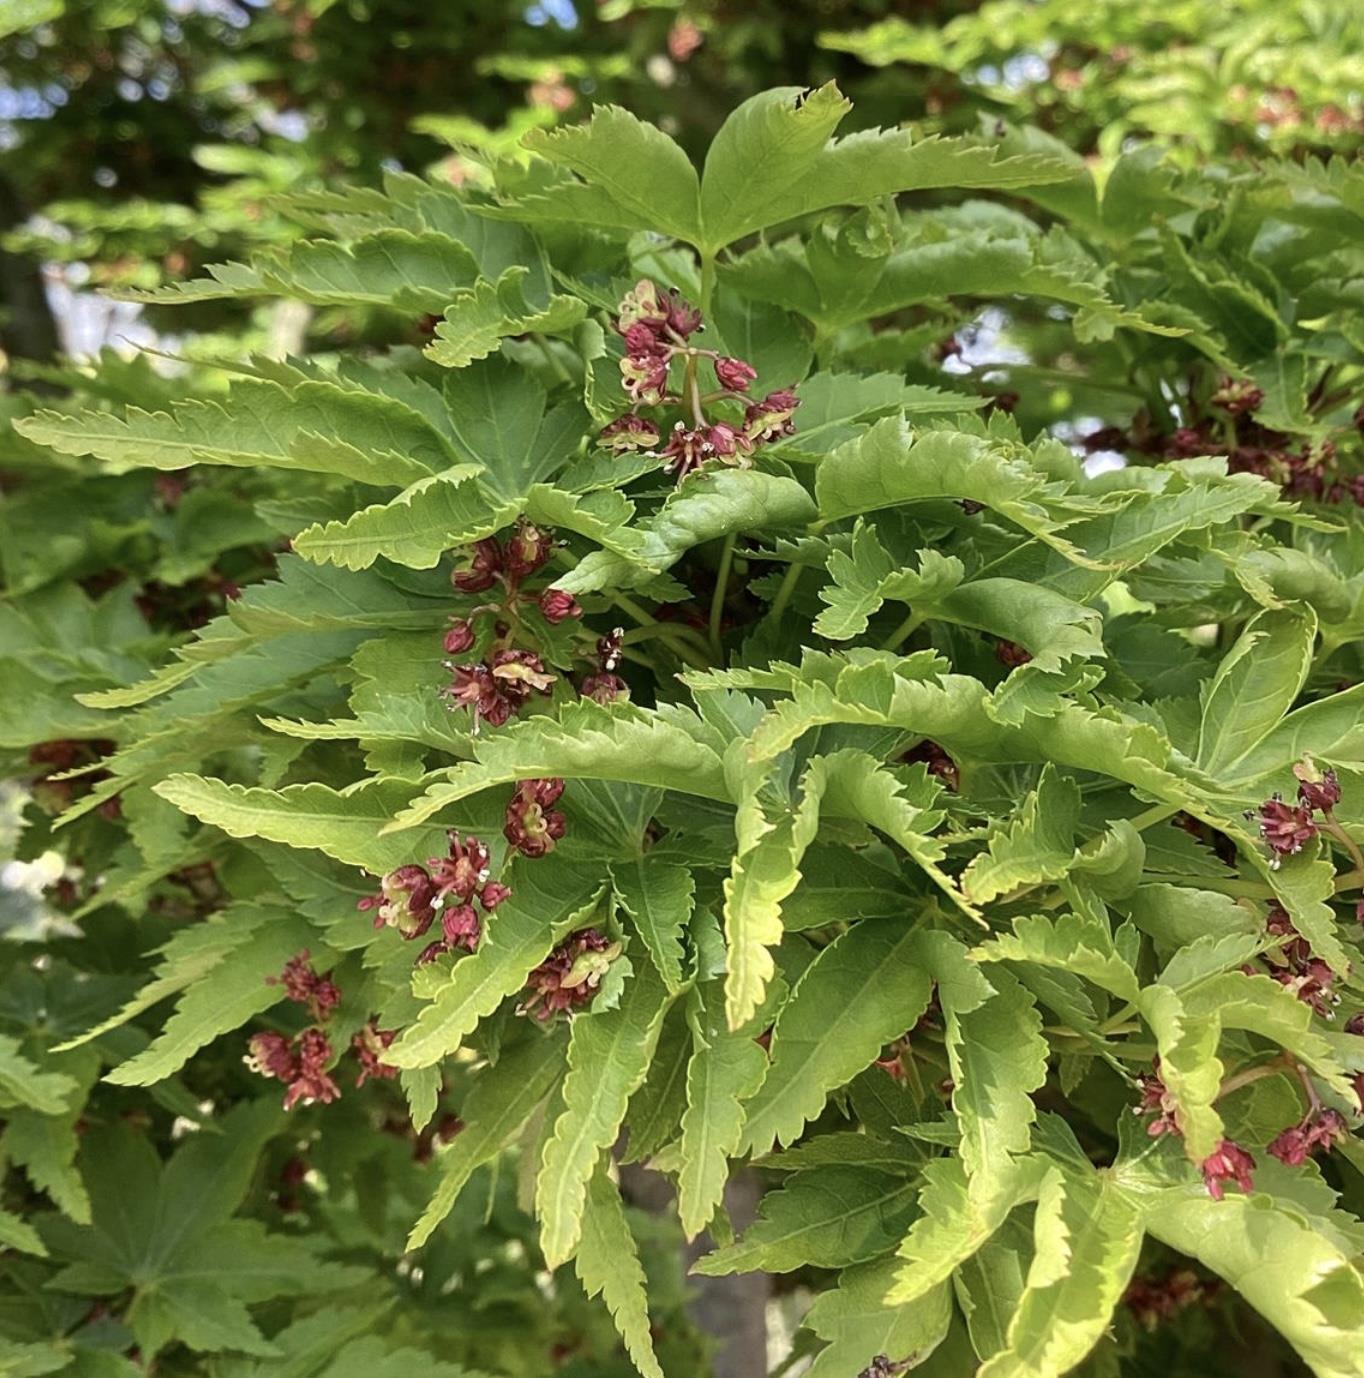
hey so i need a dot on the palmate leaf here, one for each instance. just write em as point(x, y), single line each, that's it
point(772, 161)
point(607, 1264)
point(501, 1100)
point(725, 1069)
point(608, 1055)
point(861, 992)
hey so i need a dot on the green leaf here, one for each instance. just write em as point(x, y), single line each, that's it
point(773, 161)
point(858, 1324)
point(1036, 846)
point(1072, 943)
point(502, 1098)
point(710, 504)
point(1189, 1066)
point(516, 938)
point(316, 426)
point(658, 896)
point(826, 1217)
point(607, 1264)
point(346, 825)
point(588, 742)
point(861, 992)
point(725, 1069)
point(765, 870)
point(954, 1223)
point(241, 987)
point(1312, 1296)
point(1088, 1236)
point(24, 1084)
point(637, 178)
point(1254, 687)
point(476, 322)
point(608, 1056)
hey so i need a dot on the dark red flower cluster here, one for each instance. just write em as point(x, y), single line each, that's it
point(1155, 1300)
point(369, 1046)
point(1302, 469)
point(1228, 1163)
point(411, 896)
point(1010, 653)
point(657, 327)
point(570, 976)
point(498, 686)
point(1288, 828)
point(1294, 966)
point(1321, 1128)
point(532, 825)
point(494, 690)
point(605, 686)
point(305, 987)
point(301, 1063)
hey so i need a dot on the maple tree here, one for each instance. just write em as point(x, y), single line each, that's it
point(839, 658)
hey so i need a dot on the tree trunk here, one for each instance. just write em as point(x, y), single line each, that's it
point(27, 327)
point(732, 1311)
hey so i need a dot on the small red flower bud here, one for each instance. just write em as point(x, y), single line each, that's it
point(460, 636)
point(492, 894)
point(629, 433)
point(527, 549)
point(1228, 1163)
point(570, 975)
point(485, 564)
point(1010, 653)
point(604, 688)
point(734, 375)
point(1322, 1129)
point(406, 901)
point(532, 826)
point(770, 419)
point(460, 927)
point(683, 317)
point(1317, 789)
point(305, 987)
point(1238, 397)
point(558, 606)
point(369, 1046)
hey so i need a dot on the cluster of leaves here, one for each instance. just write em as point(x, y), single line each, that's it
point(906, 857)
